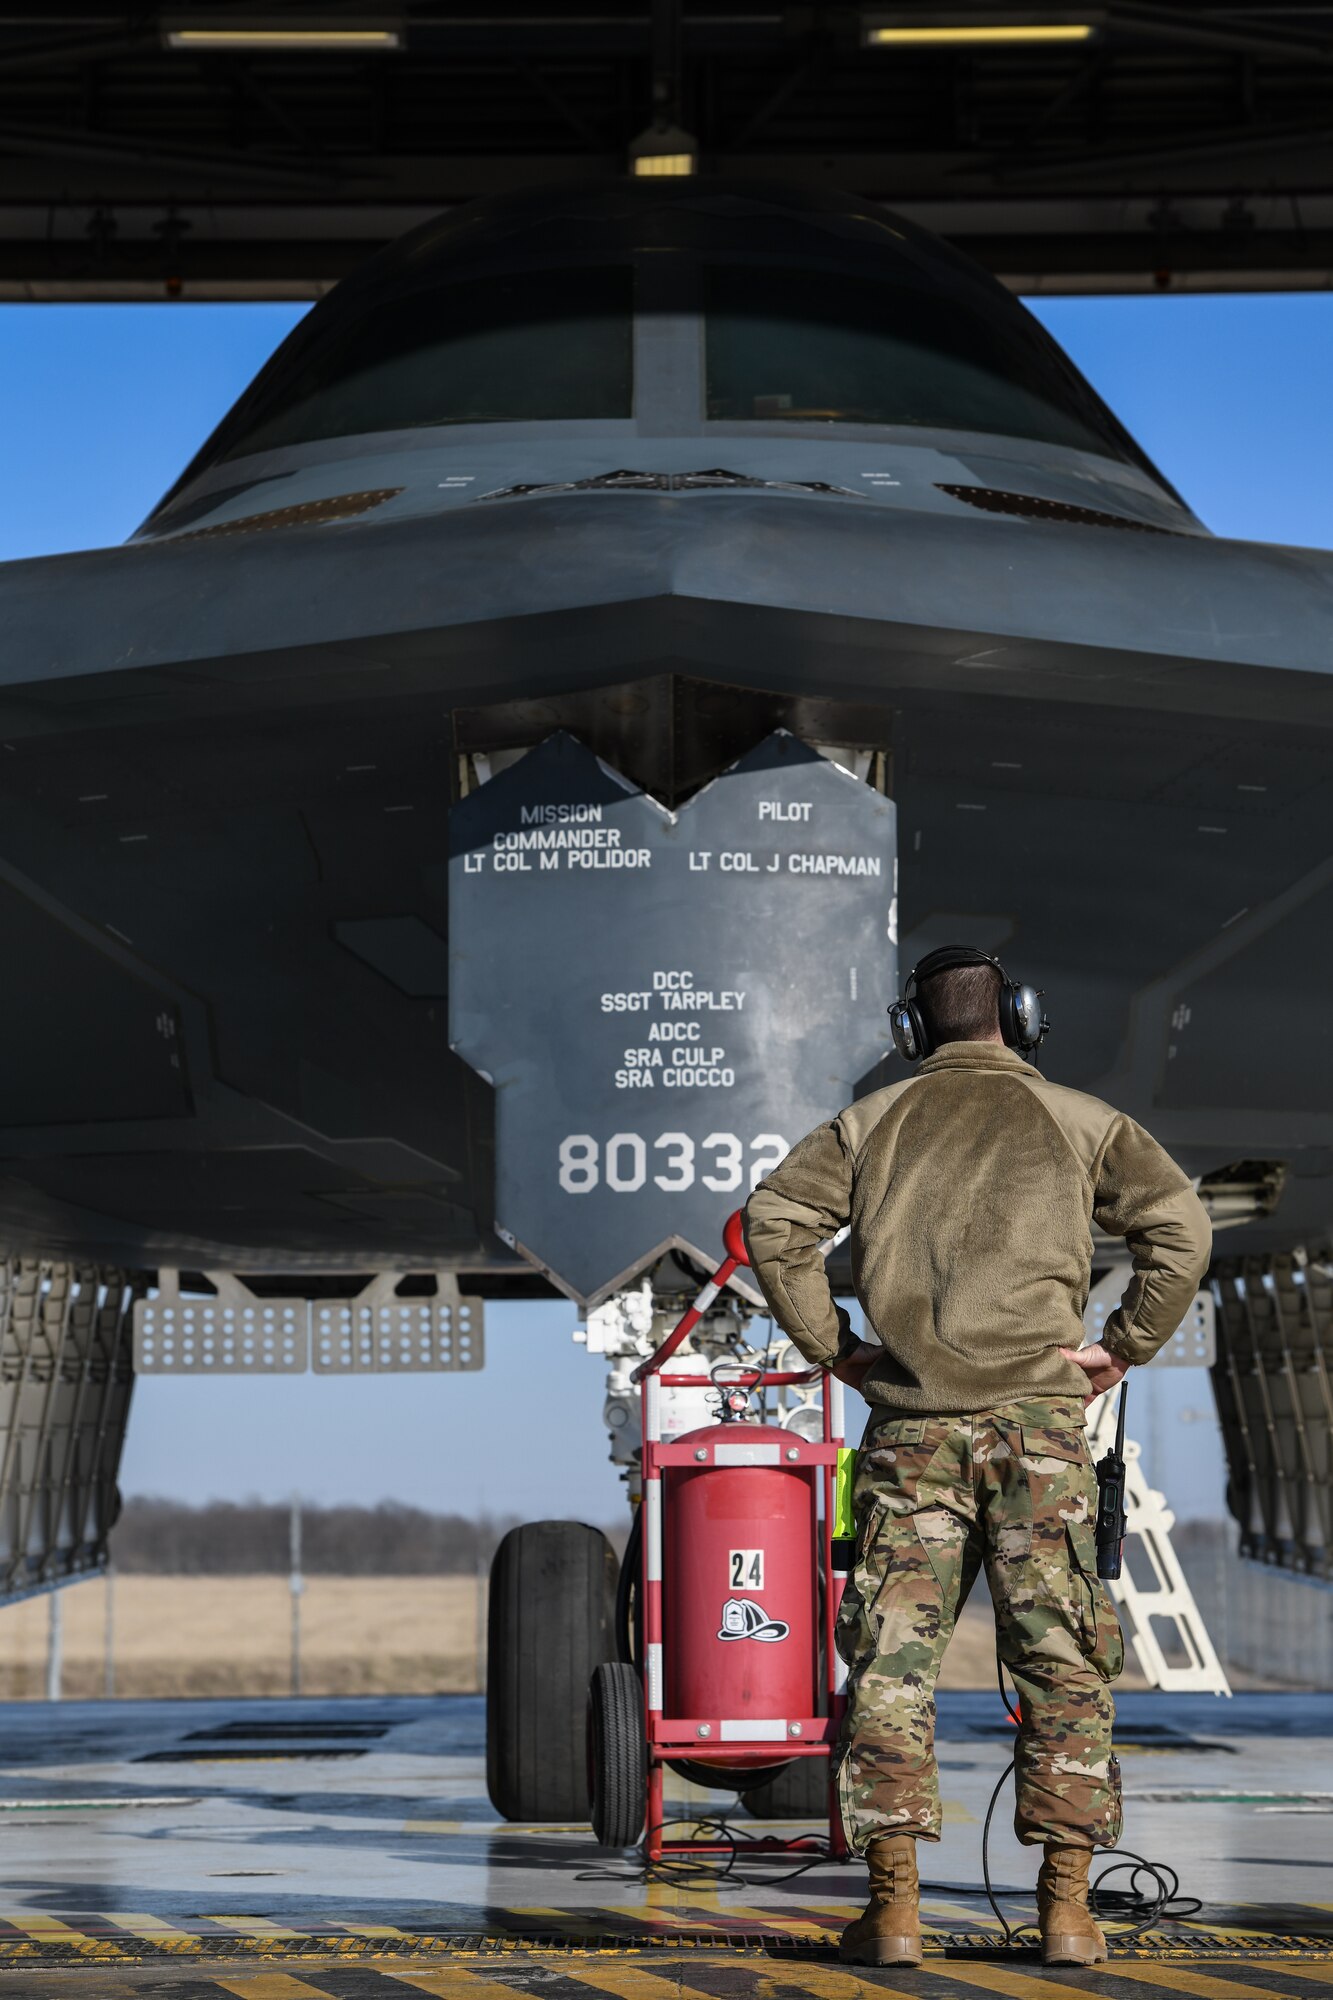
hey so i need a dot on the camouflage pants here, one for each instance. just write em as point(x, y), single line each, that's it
point(936, 1498)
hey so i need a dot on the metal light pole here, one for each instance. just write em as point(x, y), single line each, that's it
point(109, 1637)
point(54, 1646)
point(297, 1586)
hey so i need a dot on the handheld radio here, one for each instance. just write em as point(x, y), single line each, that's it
point(1111, 1517)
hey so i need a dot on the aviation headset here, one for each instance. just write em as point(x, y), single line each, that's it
point(1023, 1024)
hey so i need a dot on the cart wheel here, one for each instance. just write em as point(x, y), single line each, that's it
point(617, 1754)
point(552, 1620)
point(799, 1791)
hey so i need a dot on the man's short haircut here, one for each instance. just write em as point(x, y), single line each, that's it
point(962, 1005)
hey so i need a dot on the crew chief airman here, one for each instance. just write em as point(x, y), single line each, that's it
point(969, 1188)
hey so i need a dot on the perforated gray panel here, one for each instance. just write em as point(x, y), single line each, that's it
point(232, 1331)
point(379, 1332)
point(1192, 1345)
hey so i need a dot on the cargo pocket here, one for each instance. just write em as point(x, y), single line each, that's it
point(1055, 1481)
point(1100, 1639)
point(894, 1457)
point(891, 1452)
point(943, 1540)
point(1069, 1445)
point(899, 1430)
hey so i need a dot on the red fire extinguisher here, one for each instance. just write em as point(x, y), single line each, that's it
point(739, 1595)
point(739, 1553)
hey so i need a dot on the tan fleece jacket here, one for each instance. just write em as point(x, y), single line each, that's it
point(969, 1188)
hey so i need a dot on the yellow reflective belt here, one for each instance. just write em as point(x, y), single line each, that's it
point(844, 1521)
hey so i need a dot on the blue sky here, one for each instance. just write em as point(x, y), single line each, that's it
point(100, 407)
point(1232, 397)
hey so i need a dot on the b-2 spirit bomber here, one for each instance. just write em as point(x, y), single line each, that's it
point(475, 824)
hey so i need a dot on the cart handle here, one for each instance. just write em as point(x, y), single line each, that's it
point(733, 1241)
point(753, 1377)
point(770, 1381)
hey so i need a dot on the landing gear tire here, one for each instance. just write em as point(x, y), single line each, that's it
point(799, 1791)
point(617, 1754)
point(551, 1623)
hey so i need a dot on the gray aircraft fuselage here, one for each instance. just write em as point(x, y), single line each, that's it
point(677, 465)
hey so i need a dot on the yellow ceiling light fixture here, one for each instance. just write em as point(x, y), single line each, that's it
point(231, 32)
point(646, 165)
point(664, 151)
point(940, 29)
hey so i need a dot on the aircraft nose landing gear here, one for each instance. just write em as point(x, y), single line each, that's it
point(717, 1662)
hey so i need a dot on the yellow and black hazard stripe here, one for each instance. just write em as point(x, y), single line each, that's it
point(674, 1945)
point(673, 1975)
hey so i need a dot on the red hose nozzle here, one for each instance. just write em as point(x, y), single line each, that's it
point(733, 1237)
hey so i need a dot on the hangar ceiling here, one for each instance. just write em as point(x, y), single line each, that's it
point(1181, 146)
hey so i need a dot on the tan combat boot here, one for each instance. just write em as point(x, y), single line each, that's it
point(890, 1931)
point(1069, 1935)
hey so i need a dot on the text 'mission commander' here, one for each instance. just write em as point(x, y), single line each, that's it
point(969, 1189)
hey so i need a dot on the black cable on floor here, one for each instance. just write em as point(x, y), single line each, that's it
point(686, 1870)
point(1167, 1903)
point(1010, 1933)
point(1145, 1907)
point(1148, 1908)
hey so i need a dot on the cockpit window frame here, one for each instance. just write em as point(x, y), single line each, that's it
point(1120, 447)
point(227, 447)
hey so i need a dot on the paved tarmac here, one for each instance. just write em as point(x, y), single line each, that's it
point(283, 1850)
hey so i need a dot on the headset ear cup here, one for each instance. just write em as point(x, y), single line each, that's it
point(1027, 1018)
point(909, 1031)
point(1033, 1021)
point(1009, 1015)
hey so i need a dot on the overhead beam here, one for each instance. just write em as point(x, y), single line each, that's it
point(1083, 170)
point(1078, 250)
point(55, 143)
point(1195, 30)
point(1189, 146)
point(77, 48)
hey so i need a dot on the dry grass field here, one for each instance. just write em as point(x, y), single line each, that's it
point(231, 1635)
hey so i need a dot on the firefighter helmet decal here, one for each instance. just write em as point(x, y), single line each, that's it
point(742, 1618)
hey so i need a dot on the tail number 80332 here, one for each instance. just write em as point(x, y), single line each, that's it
point(672, 1162)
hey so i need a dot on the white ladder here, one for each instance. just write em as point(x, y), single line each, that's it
point(1150, 1521)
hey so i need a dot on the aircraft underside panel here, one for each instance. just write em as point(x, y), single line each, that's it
point(66, 1375)
point(1273, 1380)
point(665, 1002)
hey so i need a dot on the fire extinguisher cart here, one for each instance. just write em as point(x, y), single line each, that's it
point(737, 1670)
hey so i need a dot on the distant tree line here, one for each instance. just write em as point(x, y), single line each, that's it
point(252, 1537)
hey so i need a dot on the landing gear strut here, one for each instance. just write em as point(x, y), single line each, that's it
point(562, 1658)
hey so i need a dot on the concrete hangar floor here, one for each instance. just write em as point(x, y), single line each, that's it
point(335, 1850)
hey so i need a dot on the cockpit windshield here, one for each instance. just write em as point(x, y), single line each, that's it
point(530, 348)
point(817, 346)
point(783, 344)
